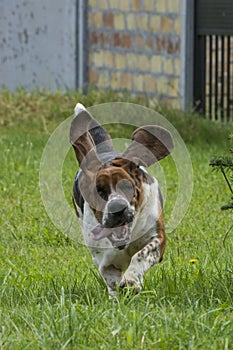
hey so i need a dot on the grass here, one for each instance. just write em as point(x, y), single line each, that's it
point(51, 295)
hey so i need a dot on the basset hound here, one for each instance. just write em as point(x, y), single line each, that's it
point(118, 203)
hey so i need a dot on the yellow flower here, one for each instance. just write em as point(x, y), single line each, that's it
point(193, 261)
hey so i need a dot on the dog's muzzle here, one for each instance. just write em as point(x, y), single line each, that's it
point(116, 224)
point(117, 212)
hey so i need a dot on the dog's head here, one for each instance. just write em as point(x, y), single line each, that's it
point(112, 184)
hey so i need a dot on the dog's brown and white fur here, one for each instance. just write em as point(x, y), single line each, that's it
point(118, 203)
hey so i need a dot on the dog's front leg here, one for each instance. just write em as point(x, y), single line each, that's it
point(112, 277)
point(147, 257)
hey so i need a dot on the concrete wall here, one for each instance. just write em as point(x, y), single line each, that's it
point(38, 44)
point(136, 45)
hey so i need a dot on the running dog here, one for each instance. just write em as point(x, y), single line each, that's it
point(118, 203)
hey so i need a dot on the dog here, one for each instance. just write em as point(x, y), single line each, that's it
point(118, 203)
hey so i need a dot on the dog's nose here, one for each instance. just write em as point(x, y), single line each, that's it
point(118, 212)
point(117, 206)
point(128, 214)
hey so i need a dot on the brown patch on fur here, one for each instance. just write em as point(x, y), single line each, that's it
point(149, 145)
point(161, 235)
point(98, 214)
point(121, 169)
point(96, 188)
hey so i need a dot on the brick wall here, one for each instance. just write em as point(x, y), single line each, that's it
point(136, 45)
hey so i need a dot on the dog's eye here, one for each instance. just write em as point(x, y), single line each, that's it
point(126, 188)
point(101, 191)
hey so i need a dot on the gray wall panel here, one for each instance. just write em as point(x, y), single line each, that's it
point(38, 44)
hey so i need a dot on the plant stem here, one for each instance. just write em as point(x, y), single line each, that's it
point(227, 181)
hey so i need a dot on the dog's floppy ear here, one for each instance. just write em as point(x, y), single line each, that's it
point(85, 136)
point(149, 144)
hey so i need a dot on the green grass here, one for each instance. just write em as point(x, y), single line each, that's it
point(51, 295)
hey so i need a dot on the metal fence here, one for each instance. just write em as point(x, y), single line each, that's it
point(213, 70)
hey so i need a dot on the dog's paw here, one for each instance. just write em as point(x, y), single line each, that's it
point(130, 285)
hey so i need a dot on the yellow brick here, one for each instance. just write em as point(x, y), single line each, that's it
point(138, 82)
point(131, 22)
point(143, 63)
point(92, 3)
point(174, 6)
point(90, 59)
point(93, 76)
point(149, 83)
point(176, 85)
point(98, 59)
point(176, 104)
point(149, 5)
point(103, 80)
point(142, 22)
point(171, 91)
point(156, 64)
point(166, 24)
point(108, 58)
point(155, 23)
point(116, 80)
point(168, 66)
point(120, 61)
point(126, 81)
point(173, 103)
point(173, 87)
point(119, 21)
point(150, 44)
point(177, 66)
point(139, 41)
point(137, 5)
point(102, 4)
point(113, 4)
point(177, 25)
point(124, 5)
point(161, 6)
point(153, 101)
point(132, 61)
point(95, 19)
point(162, 85)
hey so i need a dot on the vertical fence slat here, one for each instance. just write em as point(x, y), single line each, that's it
point(228, 75)
point(200, 76)
point(216, 77)
point(222, 76)
point(210, 74)
point(203, 75)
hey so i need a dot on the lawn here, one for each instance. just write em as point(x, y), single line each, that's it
point(51, 294)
